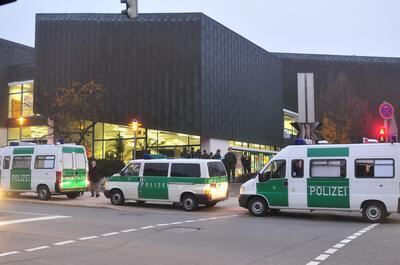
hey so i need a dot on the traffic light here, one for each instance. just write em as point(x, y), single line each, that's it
point(382, 134)
point(131, 8)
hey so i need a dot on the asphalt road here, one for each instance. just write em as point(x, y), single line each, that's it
point(158, 234)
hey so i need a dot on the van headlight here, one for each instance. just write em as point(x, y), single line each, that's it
point(242, 189)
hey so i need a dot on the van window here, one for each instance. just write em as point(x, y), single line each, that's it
point(297, 168)
point(156, 169)
point(275, 170)
point(328, 168)
point(132, 169)
point(185, 170)
point(6, 164)
point(20, 162)
point(67, 161)
point(374, 168)
point(80, 161)
point(216, 169)
point(44, 162)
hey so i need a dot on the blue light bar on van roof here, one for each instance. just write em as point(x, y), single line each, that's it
point(154, 156)
point(302, 141)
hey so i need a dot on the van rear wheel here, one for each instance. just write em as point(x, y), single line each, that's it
point(374, 212)
point(43, 193)
point(189, 202)
point(117, 197)
point(72, 195)
point(258, 207)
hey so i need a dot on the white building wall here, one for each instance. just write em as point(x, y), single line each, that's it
point(212, 144)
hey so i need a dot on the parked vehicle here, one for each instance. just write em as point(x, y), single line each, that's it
point(189, 182)
point(45, 169)
point(351, 177)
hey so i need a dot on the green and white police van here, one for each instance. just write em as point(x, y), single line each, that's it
point(353, 177)
point(189, 182)
point(45, 169)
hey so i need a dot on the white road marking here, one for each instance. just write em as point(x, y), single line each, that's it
point(88, 238)
point(104, 235)
point(339, 245)
point(9, 253)
point(26, 213)
point(147, 227)
point(110, 234)
point(129, 230)
point(331, 251)
point(64, 243)
point(35, 249)
point(322, 257)
point(35, 219)
point(176, 223)
point(162, 224)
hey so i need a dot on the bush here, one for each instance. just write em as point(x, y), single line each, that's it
point(107, 168)
point(245, 177)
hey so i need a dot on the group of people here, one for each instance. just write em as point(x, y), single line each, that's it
point(198, 154)
point(229, 159)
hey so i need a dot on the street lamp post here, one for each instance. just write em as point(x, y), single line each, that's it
point(135, 127)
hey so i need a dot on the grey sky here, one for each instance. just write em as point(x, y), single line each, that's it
point(349, 27)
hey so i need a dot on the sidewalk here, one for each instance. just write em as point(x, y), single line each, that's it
point(86, 200)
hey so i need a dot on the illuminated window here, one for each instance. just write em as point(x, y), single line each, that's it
point(20, 100)
point(288, 128)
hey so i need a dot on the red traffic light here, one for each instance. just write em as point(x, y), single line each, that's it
point(382, 134)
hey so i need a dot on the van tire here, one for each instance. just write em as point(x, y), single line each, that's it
point(73, 195)
point(117, 197)
point(258, 207)
point(189, 202)
point(374, 212)
point(43, 193)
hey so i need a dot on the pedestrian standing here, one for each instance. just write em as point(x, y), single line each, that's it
point(248, 164)
point(243, 160)
point(184, 152)
point(94, 179)
point(192, 153)
point(197, 154)
point(204, 155)
point(217, 155)
point(230, 164)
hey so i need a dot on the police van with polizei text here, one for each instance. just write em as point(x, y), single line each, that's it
point(46, 169)
point(351, 177)
point(189, 182)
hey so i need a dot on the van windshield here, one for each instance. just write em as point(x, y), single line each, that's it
point(216, 169)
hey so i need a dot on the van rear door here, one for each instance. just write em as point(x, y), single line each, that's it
point(74, 172)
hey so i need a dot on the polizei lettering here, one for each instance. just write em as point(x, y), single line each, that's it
point(336, 191)
point(20, 178)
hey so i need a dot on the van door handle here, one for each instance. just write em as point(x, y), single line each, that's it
point(285, 183)
point(381, 185)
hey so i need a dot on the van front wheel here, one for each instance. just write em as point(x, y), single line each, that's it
point(43, 193)
point(374, 212)
point(117, 197)
point(258, 207)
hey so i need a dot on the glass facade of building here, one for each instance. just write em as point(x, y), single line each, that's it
point(259, 154)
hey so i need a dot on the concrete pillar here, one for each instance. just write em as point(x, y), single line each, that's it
point(212, 144)
point(3, 136)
